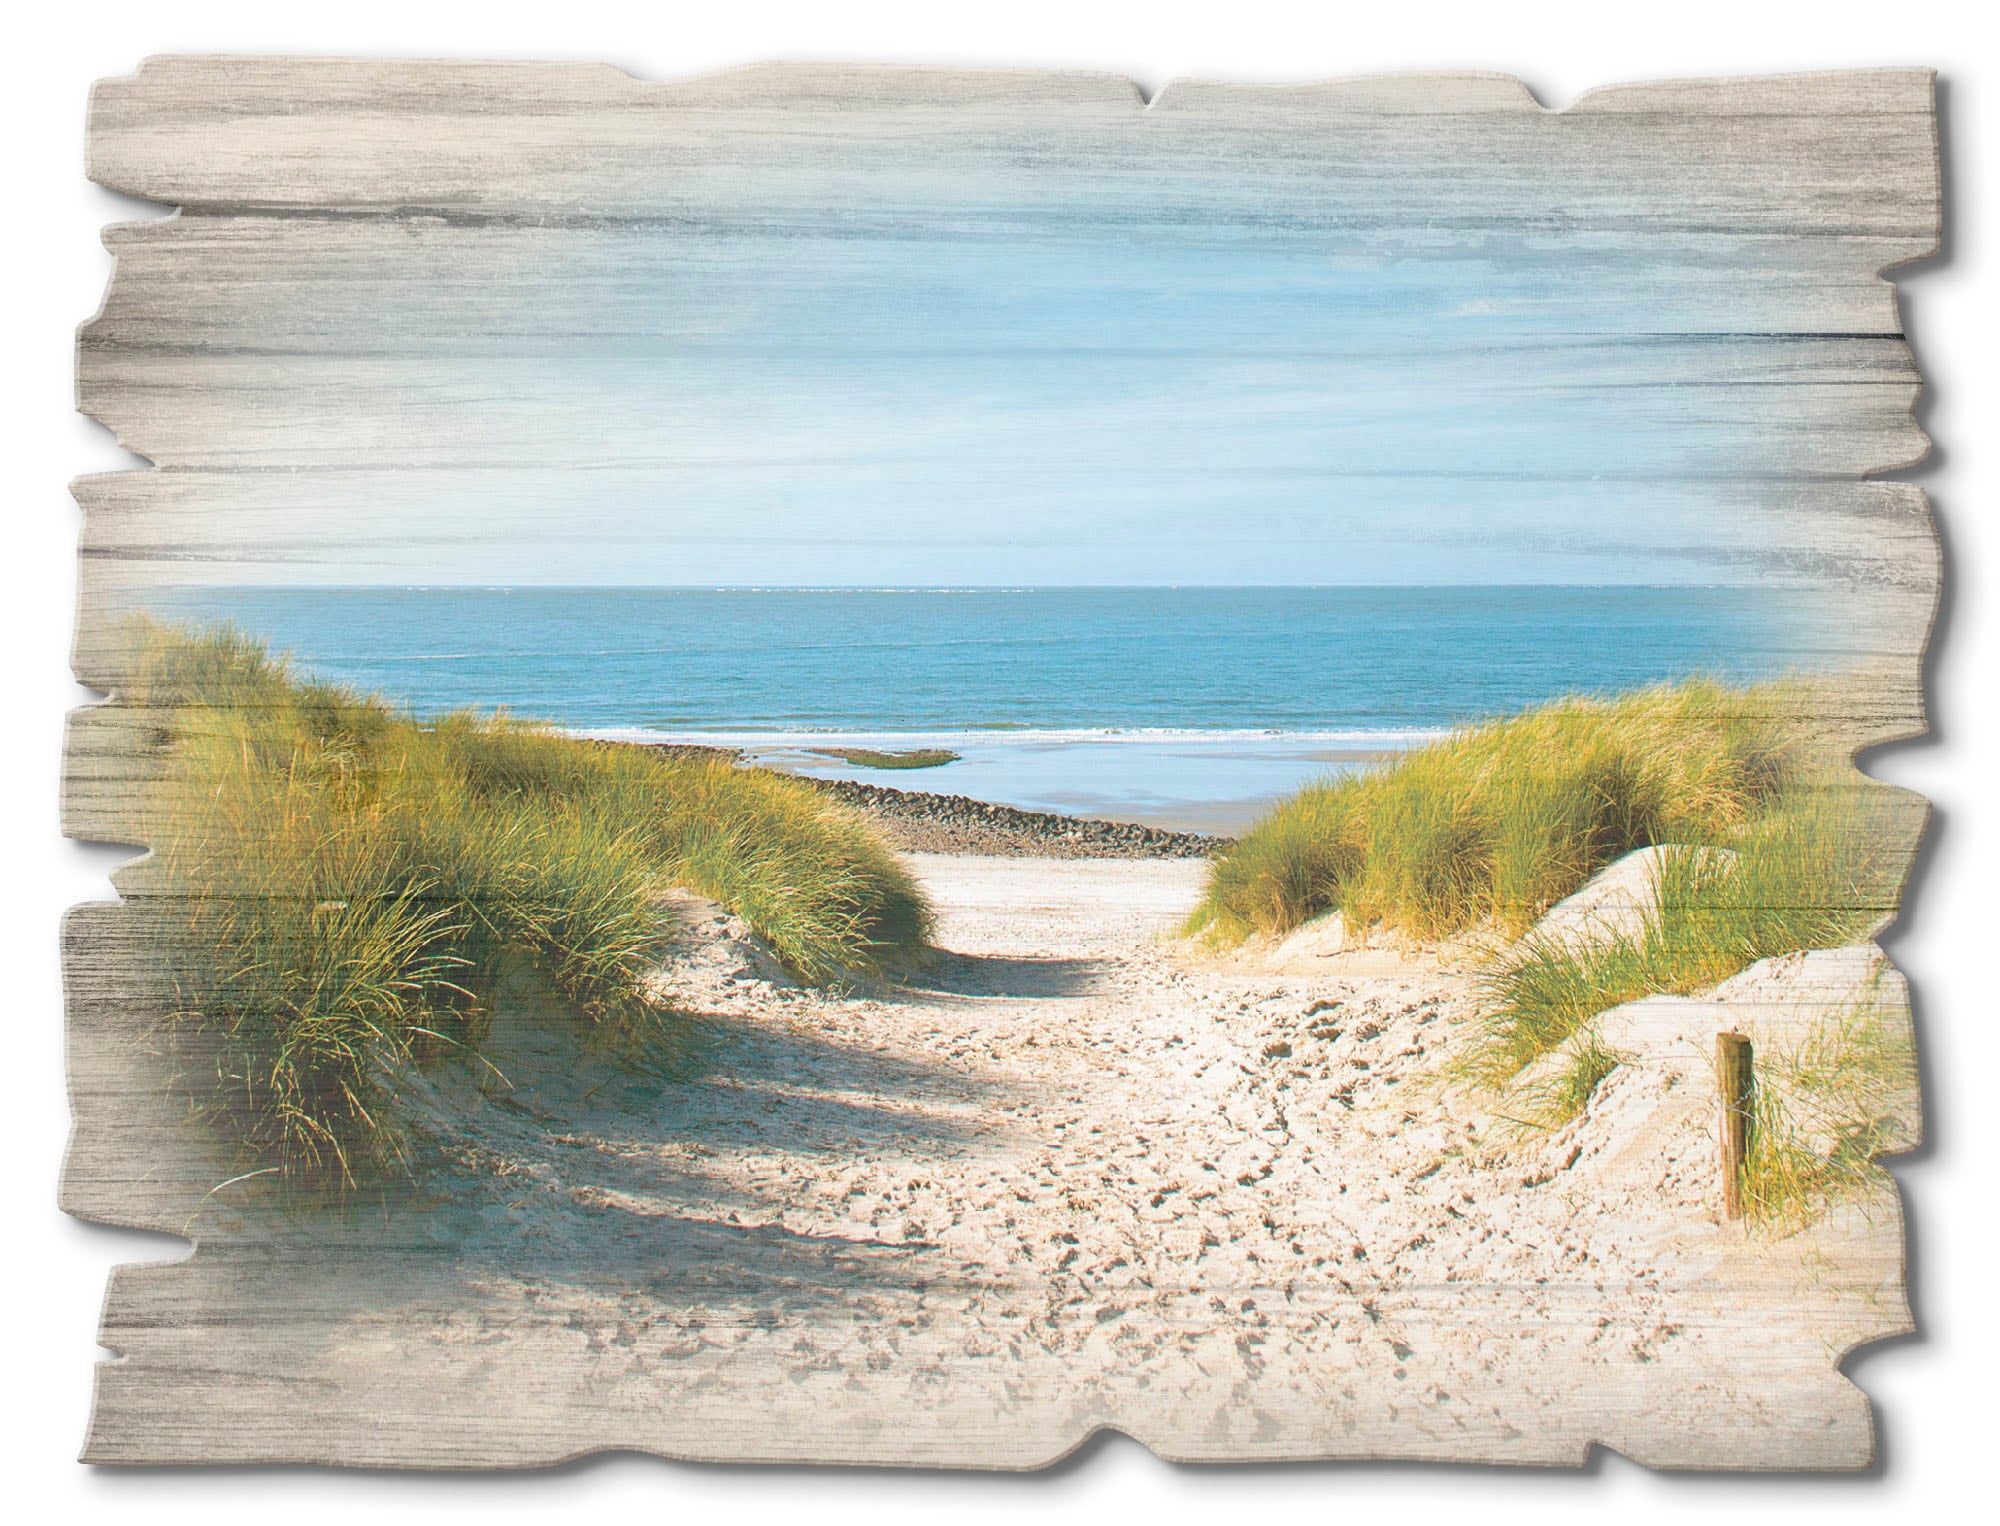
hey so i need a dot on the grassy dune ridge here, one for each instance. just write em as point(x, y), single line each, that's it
point(1817, 870)
point(346, 882)
point(1482, 831)
point(1495, 823)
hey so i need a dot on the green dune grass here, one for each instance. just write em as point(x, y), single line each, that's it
point(1483, 831)
point(1825, 1110)
point(1818, 870)
point(1495, 823)
point(344, 883)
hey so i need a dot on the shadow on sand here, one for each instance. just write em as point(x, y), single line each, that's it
point(950, 974)
point(590, 1178)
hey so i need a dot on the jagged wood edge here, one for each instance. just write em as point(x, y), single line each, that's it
point(109, 813)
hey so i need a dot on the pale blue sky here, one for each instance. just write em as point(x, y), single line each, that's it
point(1186, 351)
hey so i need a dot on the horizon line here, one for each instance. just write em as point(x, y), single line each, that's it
point(493, 587)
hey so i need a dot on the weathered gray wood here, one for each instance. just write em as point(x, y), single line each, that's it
point(306, 186)
point(243, 350)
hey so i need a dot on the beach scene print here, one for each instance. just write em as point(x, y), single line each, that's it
point(887, 766)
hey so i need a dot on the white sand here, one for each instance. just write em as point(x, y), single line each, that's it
point(1076, 1178)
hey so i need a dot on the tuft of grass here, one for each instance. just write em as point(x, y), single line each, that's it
point(343, 882)
point(1817, 871)
point(1825, 1111)
point(868, 757)
point(810, 875)
point(1495, 823)
point(1562, 1097)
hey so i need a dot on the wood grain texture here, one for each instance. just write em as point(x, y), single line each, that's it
point(256, 348)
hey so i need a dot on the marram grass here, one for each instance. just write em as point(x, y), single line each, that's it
point(1491, 825)
point(346, 881)
point(1486, 829)
point(1818, 870)
point(1826, 1110)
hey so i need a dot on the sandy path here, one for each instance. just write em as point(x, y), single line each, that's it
point(1073, 1178)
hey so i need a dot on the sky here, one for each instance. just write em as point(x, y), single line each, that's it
point(1225, 349)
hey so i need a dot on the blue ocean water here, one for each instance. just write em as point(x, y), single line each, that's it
point(1163, 703)
point(1289, 659)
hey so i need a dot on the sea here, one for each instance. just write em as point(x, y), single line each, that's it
point(1185, 707)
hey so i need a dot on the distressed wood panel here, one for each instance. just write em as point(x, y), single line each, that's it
point(581, 311)
point(592, 142)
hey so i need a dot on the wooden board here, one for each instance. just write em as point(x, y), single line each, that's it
point(440, 322)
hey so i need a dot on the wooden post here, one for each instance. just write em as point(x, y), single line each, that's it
point(1737, 1081)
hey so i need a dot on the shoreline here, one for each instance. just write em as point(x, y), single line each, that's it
point(931, 821)
point(920, 821)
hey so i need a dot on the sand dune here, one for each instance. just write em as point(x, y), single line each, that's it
point(1072, 1176)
